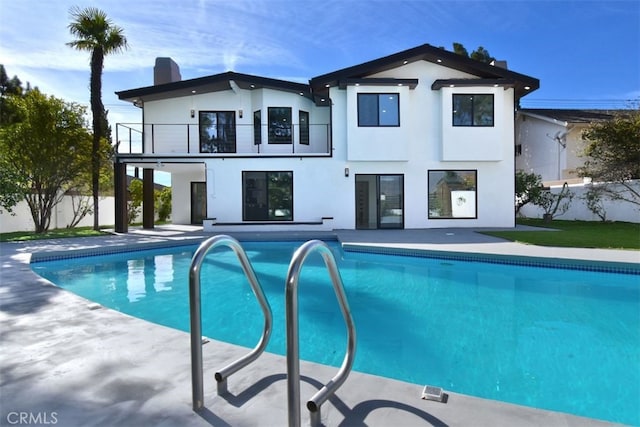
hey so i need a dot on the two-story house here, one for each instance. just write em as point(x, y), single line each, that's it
point(423, 138)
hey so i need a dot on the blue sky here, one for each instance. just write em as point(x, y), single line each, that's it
point(585, 53)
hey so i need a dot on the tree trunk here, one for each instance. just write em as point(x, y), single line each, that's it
point(97, 111)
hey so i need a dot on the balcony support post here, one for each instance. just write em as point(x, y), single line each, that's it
point(120, 199)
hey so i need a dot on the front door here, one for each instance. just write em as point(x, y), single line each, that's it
point(198, 202)
point(379, 201)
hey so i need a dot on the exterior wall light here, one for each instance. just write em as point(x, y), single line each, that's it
point(346, 172)
point(193, 113)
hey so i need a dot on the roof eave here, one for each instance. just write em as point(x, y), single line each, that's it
point(213, 83)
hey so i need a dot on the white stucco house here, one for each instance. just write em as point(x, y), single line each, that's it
point(423, 138)
point(549, 141)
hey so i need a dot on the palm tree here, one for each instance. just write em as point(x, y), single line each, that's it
point(95, 33)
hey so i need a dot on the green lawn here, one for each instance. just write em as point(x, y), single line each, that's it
point(58, 233)
point(577, 234)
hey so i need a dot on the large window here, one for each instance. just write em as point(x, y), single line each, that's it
point(267, 196)
point(303, 119)
point(217, 131)
point(472, 110)
point(378, 109)
point(280, 125)
point(452, 194)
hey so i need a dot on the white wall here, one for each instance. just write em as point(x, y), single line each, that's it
point(476, 143)
point(615, 210)
point(60, 217)
point(181, 193)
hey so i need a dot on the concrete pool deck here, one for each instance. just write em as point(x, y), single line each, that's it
point(63, 361)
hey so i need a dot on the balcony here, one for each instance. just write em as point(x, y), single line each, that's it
point(188, 140)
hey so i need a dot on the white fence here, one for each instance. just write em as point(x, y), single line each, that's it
point(61, 216)
point(615, 210)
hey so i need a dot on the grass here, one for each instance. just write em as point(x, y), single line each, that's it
point(576, 234)
point(58, 233)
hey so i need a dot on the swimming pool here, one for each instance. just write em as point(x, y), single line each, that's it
point(564, 340)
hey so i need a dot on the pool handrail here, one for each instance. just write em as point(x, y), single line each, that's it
point(196, 318)
point(293, 354)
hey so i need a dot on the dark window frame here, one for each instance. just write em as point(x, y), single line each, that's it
point(473, 112)
point(252, 211)
point(376, 122)
point(279, 133)
point(460, 185)
point(303, 127)
point(218, 144)
point(257, 127)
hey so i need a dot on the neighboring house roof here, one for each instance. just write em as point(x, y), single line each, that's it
point(318, 87)
point(564, 117)
point(523, 84)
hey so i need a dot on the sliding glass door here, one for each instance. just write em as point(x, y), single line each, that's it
point(379, 201)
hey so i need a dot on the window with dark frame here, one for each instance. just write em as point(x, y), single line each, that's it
point(473, 110)
point(267, 196)
point(452, 194)
point(217, 131)
point(378, 109)
point(280, 125)
point(257, 127)
point(303, 119)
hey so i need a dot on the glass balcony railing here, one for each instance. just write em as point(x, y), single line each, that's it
point(223, 140)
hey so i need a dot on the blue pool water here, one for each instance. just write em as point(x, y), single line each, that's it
point(564, 340)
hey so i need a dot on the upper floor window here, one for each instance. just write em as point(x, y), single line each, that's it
point(378, 109)
point(472, 110)
point(303, 118)
point(257, 127)
point(280, 125)
point(217, 131)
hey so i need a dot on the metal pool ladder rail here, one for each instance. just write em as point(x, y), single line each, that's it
point(196, 318)
point(293, 356)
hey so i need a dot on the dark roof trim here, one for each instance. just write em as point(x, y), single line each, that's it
point(412, 83)
point(214, 83)
point(439, 84)
point(428, 53)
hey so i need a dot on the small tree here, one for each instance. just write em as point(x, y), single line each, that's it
point(593, 200)
point(135, 200)
point(163, 200)
point(555, 205)
point(81, 206)
point(48, 146)
point(528, 189)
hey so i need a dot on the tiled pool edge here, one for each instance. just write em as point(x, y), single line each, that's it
point(560, 263)
point(492, 258)
point(109, 250)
